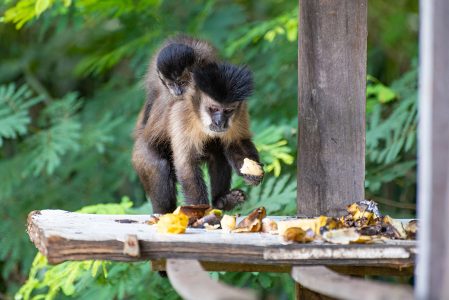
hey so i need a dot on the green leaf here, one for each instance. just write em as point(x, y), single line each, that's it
point(14, 105)
point(41, 6)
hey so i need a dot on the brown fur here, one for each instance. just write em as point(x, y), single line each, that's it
point(205, 53)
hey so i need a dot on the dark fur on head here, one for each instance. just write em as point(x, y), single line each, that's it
point(225, 83)
point(173, 60)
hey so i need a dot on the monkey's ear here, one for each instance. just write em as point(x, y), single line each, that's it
point(224, 82)
point(173, 59)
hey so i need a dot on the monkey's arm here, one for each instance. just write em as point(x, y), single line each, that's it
point(236, 152)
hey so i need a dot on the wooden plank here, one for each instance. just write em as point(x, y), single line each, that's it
point(159, 265)
point(191, 282)
point(61, 236)
point(432, 272)
point(331, 102)
point(324, 281)
point(305, 294)
point(211, 266)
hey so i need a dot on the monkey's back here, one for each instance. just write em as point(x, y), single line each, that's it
point(205, 53)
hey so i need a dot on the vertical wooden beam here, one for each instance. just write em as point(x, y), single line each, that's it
point(332, 83)
point(432, 272)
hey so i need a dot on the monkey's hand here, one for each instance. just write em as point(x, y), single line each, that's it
point(252, 171)
point(230, 200)
point(252, 179)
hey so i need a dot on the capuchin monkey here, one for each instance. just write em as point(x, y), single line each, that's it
point(210, 125)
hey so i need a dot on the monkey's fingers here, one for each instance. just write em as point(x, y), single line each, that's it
point(252, 180)
point(230, 200)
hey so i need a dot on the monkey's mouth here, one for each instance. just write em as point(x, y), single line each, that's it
point(217, 129)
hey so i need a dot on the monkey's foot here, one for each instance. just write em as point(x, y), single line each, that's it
point(230, 200)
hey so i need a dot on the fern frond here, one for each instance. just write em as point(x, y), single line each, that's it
point(273, 149)
point(47, 146)
point(285, 24)
point(277, 195)
point(102, 61)
point(14, 105)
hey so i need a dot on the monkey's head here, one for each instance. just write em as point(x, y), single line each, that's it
point(223, 88)
point(174, 64)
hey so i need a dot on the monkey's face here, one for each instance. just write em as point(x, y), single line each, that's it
point(217, 117)
point(177, 84)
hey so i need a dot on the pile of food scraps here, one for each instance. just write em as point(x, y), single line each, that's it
point(363, 223)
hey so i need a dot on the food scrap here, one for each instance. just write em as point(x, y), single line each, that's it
point(363, 223)
point(228, 223)
point(269, 226)
point(193, 212)
point(210, 220)
point(297, 234)
point(250, 167)
point(172, 223)
point(341, 236)
point(253, 222)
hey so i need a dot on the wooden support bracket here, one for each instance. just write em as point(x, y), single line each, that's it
point(191, 282)
point(131, 246)
point(324, 281)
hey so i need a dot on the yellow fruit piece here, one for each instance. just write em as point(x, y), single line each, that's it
point(322, 221)
point(213, 211)
point(228, 223)
point(363, 214)
point(172, 223)
point(304, 224)
point(296, 234)
point(269, 226)
point(341, 236)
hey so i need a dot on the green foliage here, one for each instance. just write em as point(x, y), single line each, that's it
point(273, 147)
point(391, 134)
point(14, 106)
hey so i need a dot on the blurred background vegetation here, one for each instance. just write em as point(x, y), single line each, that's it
point(71, 88)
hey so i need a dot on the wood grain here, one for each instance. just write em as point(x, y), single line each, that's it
point(159, 265)
point(324, 281)
point(62, 235)
point(432, 271)
point(331, 102)
point(191, 282)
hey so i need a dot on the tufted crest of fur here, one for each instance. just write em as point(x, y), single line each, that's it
point(225, 83)
point(174, 58)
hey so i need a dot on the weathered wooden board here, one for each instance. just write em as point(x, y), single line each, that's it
point(192, 282)
point(432, 270)
point(62, 235)
point(324, 281)
point(160, 265)
point(331, 102)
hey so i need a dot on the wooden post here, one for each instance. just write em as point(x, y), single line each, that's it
point(332, 83)
point(432, 272)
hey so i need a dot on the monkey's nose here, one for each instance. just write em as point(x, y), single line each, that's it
point(177, 91)
point(217, 122)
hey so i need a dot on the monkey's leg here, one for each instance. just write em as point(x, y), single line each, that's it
point(190, 177)
point(236, 152)
point(157, 177)
point(220, 173)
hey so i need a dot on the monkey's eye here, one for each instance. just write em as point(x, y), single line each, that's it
point(213, 110)
point(229, 110)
